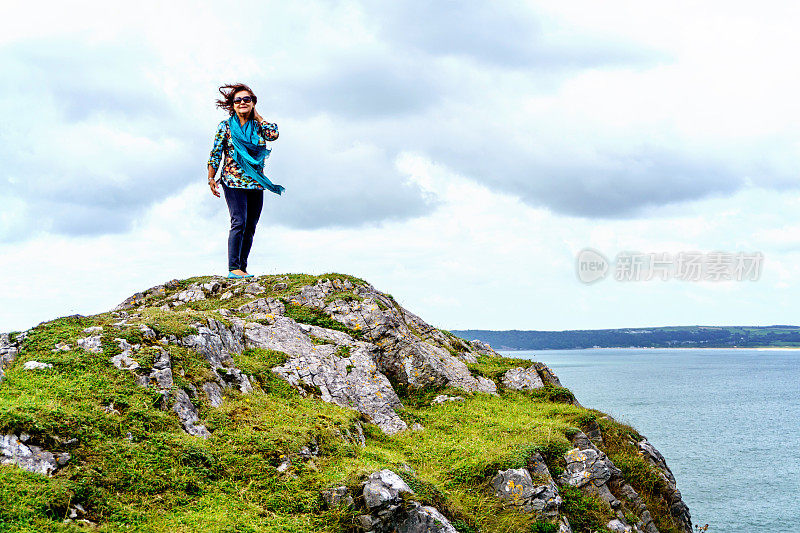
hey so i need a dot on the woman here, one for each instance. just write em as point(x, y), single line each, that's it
point(242, 138)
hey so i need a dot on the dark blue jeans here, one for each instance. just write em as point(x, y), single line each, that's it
point(244, 206)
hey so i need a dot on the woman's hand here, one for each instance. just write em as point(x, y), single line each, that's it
point(213, 185)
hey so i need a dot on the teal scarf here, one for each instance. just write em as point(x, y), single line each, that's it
point(249, 154)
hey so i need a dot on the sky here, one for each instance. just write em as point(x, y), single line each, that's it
point(457, 155)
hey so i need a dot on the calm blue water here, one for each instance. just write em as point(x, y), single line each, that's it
point(727, 421)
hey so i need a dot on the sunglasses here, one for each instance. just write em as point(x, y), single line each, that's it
point(245, 99)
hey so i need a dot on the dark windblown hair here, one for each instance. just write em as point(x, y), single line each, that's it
point(227, 92)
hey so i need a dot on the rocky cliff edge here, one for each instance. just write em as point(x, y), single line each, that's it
point(304, 403)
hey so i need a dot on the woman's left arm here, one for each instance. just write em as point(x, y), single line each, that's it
point(269, 130)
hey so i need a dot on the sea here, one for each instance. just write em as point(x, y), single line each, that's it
point(726, 420)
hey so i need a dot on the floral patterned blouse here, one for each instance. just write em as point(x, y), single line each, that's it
point(232, 174)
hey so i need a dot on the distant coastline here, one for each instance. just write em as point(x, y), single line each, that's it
point(783, 337)
point(754, 348)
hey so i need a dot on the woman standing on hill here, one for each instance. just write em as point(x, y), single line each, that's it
point(242, 138)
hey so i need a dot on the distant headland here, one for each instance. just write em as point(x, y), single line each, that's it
point(779, 336)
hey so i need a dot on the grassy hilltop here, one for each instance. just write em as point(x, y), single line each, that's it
point(273, 450)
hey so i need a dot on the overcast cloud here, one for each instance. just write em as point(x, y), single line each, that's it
point(580, 113)
point(476, 86)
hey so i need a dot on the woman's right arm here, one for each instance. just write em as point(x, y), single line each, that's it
point(216, 151)
point(216, 157)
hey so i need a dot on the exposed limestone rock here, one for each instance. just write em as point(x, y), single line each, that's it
point(8, 352)
point(147, 332)
point(442, 398)
point(482, 348)
point(270, 306)
point(337, 496)
point(425, 519)
point(634, 501)
point(350, 381)
point(586, 466)
point(212, 286)
point(590, 468)
point(131, 301)
point(61, 347)
point(193, 293)
point(254, 288)
point(16, 450)
point(216, 342)
point(383, 489)
point(213, 394)
point(284, 335)
point(331, 335)
point(93, 330)
point(92, 344)
point(36, 365)
point(547, 375)
point(123, 360)
point(188, 415)
point(411, 351)
point(617, 525)
point(391, 508)
point(522, 379)
point(77, 513)
point(518, 489)
point(678, 509)
point(160, 377)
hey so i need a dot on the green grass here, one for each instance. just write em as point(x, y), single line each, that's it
point(587, 513)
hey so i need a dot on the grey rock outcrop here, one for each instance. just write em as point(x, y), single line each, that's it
point(591, 469)
point(678, 509)
point(160, 377)
point(383, 489)
point(338, 496)
point(193, 293)
point(215, 341)
point(17, 450)
point(522, 379)
point(343, 372)
point(271, 306)
point(425, 519)
point(411, 351)
point(517, 488)
point(391, 508)
point(354, 371)
point(443, 398)
point(547, 375)
point(349, 381)
point(482, 348)
point(123, 359)
point(8, 351)
point(92, 344)
point(619, 526)
point(36, 365)
point(187, 414)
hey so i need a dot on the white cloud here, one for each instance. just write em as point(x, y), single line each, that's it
point(460, 174)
